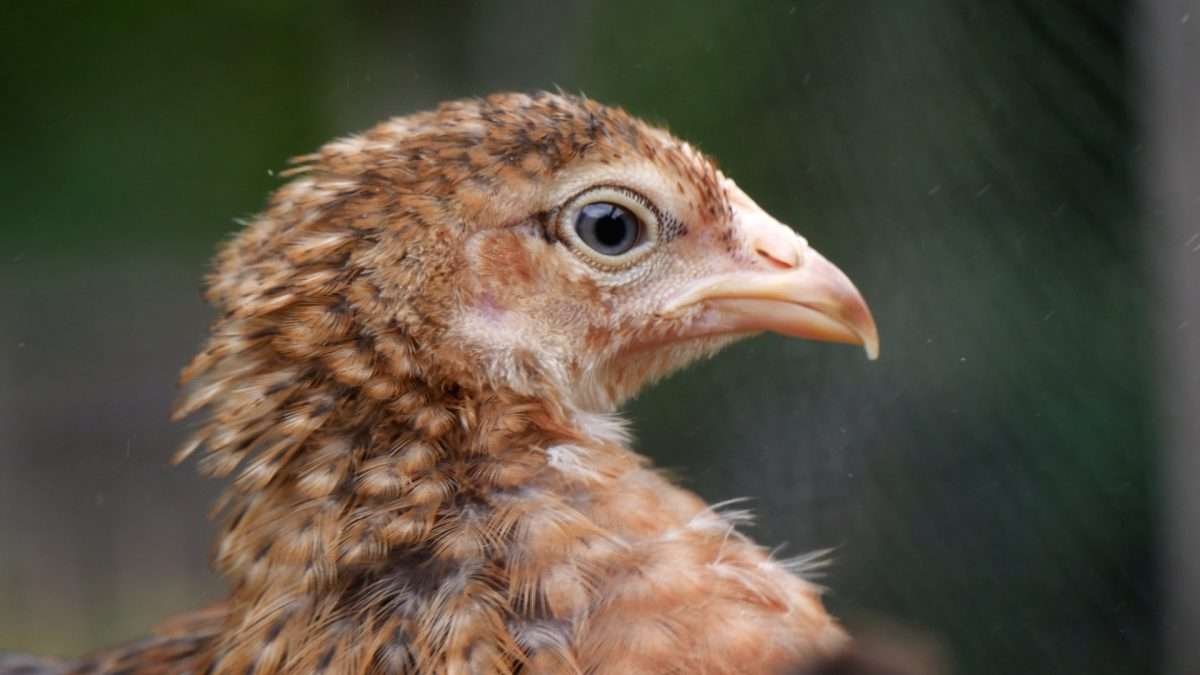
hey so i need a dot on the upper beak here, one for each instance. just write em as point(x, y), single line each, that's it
point(789, 289)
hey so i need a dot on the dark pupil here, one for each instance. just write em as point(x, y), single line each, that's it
point(607, 228)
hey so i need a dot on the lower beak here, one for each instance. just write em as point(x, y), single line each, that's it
point(811, 299)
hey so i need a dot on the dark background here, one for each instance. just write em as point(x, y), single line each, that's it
point(975, 166)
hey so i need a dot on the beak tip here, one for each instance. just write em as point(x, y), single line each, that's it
point(870, 340)
point(872, 349)
point(859, 320)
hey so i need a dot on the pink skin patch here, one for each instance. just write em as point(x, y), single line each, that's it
point(489, 308)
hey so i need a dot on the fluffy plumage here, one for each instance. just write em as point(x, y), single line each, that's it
point(412, 382)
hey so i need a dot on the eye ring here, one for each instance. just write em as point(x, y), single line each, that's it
point(609, 227)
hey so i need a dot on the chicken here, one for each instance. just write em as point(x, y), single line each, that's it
point(413, 378)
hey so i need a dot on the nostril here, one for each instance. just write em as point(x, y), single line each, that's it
point(784, 259)
point(782, 248)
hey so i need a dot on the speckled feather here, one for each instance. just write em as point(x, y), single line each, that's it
point(412, 493)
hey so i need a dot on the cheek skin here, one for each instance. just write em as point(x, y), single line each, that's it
point(523, 298)
point(502, 260)
point(495, 323)
point(532, 306)
point(521, 274)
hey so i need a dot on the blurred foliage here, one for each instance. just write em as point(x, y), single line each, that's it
point(971, 165)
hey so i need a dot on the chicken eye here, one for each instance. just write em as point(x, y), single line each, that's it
point(608, 228)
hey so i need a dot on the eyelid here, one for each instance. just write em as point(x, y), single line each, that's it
point(634, 202)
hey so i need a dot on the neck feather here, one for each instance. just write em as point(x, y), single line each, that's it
point(334, 485)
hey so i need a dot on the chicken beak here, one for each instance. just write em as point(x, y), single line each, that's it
point(789, 289)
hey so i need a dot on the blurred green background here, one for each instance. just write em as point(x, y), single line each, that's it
point(972, 165)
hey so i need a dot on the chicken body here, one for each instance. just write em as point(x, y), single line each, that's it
point(421, 346)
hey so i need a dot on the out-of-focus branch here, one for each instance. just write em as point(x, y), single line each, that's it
point(1170, 42)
